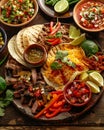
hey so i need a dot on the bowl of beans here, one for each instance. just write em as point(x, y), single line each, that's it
point(89, 15)
point(17, 13)
point(77, 93)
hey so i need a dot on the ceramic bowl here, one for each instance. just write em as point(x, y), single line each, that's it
point(89, 15)
point(26, 20)
point(3, 39)
point(77, 93)
point(3, 45)
point(35, 55)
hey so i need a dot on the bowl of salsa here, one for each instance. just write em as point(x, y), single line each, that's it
point(17, 13)
point(35, 54)
point(77, 93)
point(89, 15)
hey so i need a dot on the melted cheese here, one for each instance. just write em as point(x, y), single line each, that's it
point(62, 76)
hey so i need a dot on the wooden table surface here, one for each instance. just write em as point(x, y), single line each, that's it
point(14, 119)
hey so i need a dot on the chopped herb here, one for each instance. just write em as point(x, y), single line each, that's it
point(5, 101)
point(55, 65)
point(61, 54)
point(58, 34)
point(68, 62)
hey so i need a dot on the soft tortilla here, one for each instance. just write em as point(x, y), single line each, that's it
point(14, 54)
point(31, 34)
point(76, 54)
point(27, 36)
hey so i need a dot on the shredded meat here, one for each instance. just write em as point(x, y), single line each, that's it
point(45, 32)
point(96, 62)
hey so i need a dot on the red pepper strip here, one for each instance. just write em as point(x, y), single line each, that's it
point(51, 26)
point(55, 42)
point(54, 99)
point(56, 28)
point(66, 109)
point(59, 103)
point(51, 40)
point(52, 114)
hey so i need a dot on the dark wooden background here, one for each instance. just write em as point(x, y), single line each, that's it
point(15, 120)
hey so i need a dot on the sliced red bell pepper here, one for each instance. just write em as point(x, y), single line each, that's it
point(52, 114)
point(55, 28)
point(55, 41)
point(66, 109)
point(55, 97)
point(59, 103)
point(51, 26)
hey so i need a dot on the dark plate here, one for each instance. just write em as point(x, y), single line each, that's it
point(72, 115)
point(50, 11)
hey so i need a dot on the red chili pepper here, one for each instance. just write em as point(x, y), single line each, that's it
point(57, 27)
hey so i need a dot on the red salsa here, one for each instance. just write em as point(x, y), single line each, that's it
point(91, 15)
point(77, 93)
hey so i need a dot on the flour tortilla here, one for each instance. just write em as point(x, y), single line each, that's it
point(70, 74)
point(19, 41)
point(30, 35)
point(14, 54)
point(27, 36)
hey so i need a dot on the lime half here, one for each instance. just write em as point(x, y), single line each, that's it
point(78, 40)
point(97, 78)
point(94, 88)
point(61, 6)
point(84, 76)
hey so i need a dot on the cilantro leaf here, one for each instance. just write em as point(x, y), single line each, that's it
point(68, 62)
point(55, 65)
point(61, 54)
point(5, 101)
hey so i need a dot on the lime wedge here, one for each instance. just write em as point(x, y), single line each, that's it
point(84, 76)
point(97, 78)
point(74, 32)
point(94, 88)
point(61, 6)
point(78, 40)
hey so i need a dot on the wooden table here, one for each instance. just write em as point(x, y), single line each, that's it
point(14, 119)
